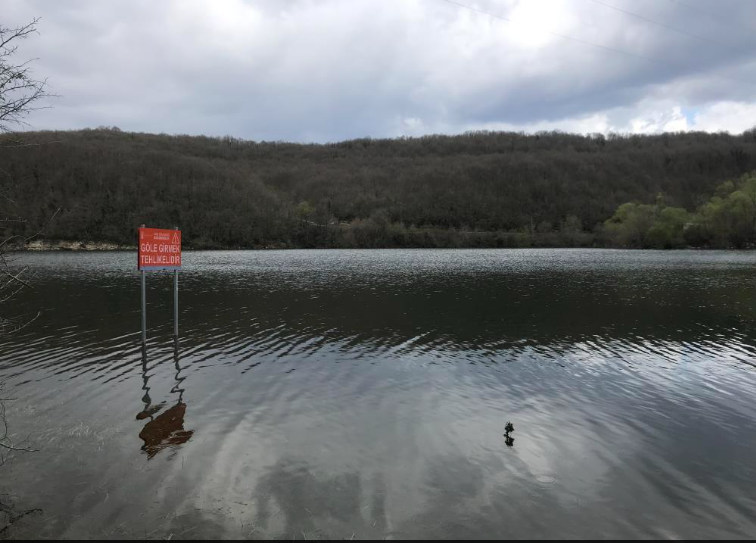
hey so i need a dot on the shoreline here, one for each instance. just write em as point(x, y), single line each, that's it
point(40, 246)
point(78, 246)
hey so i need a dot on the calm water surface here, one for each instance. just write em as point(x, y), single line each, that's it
point(364, 394)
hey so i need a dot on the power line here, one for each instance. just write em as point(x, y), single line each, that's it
point(663, 25)
point(585, 42)
point(722, 21)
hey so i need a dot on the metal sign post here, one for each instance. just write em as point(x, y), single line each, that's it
point(175, 301)
point(144, 305)
point(144, 308)
point(159, 250)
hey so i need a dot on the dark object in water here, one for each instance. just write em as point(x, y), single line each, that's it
point(165, 430)
point(508, 429)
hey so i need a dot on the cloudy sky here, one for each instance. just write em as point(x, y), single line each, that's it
point(325, 70)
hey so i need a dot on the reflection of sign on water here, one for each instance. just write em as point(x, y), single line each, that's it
point(166, 429)
point(159, 249)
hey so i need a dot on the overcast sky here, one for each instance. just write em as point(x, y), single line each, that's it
point(326, 70)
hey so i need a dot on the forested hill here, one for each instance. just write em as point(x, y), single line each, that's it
point(477, 189)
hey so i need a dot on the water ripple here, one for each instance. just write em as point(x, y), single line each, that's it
point(359, 392)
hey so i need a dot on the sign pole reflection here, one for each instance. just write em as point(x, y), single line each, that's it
point(164, 430)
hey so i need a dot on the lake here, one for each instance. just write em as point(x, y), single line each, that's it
point(356, 394)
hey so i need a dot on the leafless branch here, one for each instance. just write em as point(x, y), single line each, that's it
point(7, 34)
point(20, 92)
point(21, 240)
point(16, 277)
point(13, 326)
point(7, 446)
point(15, 518)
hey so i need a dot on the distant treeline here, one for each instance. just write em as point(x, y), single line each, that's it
point(481, 189)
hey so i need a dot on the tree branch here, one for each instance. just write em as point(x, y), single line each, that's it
point(19, 94)
point(19, 91)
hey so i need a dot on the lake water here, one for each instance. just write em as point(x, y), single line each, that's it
point(354, 394)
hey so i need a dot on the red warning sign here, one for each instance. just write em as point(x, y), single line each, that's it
point(159, 249)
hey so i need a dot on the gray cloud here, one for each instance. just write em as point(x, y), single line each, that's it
point(324, 70)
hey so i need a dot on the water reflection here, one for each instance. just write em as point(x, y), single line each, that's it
point(343, 393)
point(165, 430)
point(317, 506)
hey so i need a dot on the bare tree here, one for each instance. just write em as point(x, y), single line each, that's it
point(20, 92)
point(7, 446)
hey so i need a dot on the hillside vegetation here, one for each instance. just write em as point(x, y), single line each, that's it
point(488, 189)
